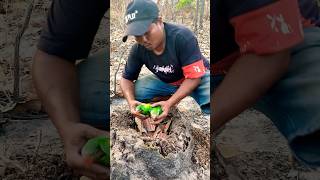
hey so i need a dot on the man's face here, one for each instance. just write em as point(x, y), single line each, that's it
point(153, 38)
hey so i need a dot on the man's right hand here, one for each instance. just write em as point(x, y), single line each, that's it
point(74, 139)
point(133, 104)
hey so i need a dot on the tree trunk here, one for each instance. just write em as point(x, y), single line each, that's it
point(207, 15)
point(195, 23)
point(173, 17)
point(201, 14)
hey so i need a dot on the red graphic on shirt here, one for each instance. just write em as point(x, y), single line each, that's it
point(269, 29)
point(194, 70)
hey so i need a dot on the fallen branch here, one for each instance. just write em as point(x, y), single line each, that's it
point(16, 83)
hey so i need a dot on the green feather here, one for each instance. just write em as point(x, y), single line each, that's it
point(144, 108)
point(155, 111)
point(99, 149)
point(148, 110)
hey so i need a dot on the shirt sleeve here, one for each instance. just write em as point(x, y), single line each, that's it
point(71, 27)
point(266, 26)
point(134, 64)
point(189, 55)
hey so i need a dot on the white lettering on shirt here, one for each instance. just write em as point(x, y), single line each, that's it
point(196, 68)
point(278, 23)
point(165, 69)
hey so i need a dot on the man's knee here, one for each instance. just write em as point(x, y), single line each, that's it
point(94, 90)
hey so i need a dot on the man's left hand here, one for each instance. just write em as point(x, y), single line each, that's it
point(165, 105)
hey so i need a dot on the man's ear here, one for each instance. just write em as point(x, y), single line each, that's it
point(160, 22)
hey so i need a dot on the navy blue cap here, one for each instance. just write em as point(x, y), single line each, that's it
point(139, 15)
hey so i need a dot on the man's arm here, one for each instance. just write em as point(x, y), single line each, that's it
point(247, 80)
point(127, 88)
point(187, 86)
point(58, 87)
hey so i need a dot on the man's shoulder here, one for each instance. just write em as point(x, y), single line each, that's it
point(178, 31)
point(137, 50)
point(239, 7)
point(66, 22)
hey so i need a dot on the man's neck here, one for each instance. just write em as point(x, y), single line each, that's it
point(160, 49)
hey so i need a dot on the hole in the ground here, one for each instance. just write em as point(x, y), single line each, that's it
point(175, 139)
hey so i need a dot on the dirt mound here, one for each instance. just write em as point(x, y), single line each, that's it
point(183, 153)
point(250, 147)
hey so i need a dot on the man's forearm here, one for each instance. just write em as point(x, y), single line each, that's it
point(247, 80)
point(57, 85)
point(187, 86)
point(127, 88)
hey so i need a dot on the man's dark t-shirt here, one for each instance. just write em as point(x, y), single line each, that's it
point(71, 27)
point(237, 23)
point(181, 58)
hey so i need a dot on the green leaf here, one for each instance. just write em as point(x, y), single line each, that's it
point(184, 3)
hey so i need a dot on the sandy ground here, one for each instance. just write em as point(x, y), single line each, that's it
point(30, 147)
point(254, 148)
point(33, 151)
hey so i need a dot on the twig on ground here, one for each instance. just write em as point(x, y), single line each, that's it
point(115, 74)
point(9, 161)
point(6, 103)
point(36, 152)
